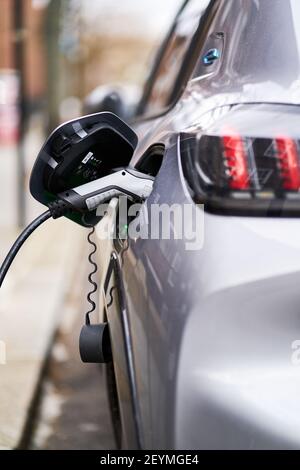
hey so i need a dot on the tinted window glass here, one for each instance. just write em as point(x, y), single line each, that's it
point(171, 62)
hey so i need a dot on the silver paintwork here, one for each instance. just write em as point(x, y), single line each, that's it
point(212, 330)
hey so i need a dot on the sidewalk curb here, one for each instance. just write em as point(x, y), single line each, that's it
point(30, 311)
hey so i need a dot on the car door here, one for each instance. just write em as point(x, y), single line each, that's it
point(133, 288)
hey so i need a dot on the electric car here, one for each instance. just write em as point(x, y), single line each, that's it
point(199, 299)
point(204, 342)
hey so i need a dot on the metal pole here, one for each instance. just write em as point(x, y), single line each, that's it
point(18, 6)
point(53, 62)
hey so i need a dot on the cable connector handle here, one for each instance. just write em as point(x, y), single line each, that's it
point(58, 208)
point(89, 196)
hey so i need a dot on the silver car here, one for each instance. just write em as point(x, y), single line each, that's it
point(205, 340)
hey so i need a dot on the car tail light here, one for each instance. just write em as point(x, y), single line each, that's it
point(288, 161)
point(250, 165)
point(231, 171)
point(235, 161)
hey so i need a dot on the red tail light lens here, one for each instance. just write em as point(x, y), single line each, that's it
point(235, 156)
point(288, 160)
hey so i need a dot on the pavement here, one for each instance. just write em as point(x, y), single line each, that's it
point(73, 411)
point(32, 302)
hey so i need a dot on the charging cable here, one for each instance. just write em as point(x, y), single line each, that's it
point(19, 242)
point(56, 210)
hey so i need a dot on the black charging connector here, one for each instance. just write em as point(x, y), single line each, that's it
point(58, 208)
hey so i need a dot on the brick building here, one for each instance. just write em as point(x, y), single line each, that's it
point(23, 21)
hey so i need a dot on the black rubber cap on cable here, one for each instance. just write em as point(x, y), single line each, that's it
point(94, 343)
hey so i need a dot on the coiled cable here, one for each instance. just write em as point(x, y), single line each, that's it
point(90, 277)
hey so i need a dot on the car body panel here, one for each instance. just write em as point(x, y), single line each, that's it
point(211, 330)
point(225, 292)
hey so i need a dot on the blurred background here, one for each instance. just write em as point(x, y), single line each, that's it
point(53, 53)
